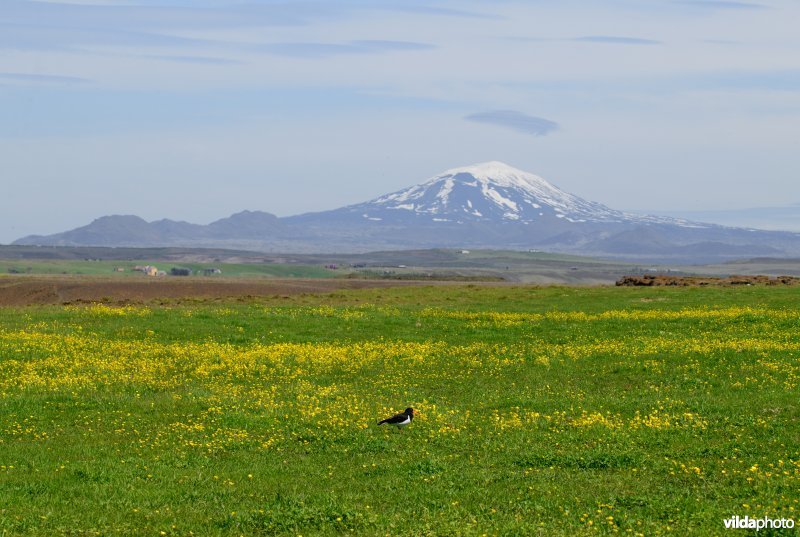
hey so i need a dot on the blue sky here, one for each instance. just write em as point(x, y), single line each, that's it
point(193, 110)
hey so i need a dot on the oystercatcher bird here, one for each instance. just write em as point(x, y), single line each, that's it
point(400, 420)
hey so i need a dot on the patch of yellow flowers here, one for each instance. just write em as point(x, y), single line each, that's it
point(494, 318)
point(303, 391)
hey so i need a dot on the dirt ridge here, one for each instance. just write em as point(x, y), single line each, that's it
point(660, 280)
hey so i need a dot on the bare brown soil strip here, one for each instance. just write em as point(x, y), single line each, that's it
point(30, 290)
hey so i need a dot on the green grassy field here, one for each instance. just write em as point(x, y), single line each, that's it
point(543, 411)
point(430, 264)
point(107, 268)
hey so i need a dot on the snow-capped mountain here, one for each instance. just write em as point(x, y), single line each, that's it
point(490, 191)
point(494, 192)
point(489, 205)
point(496, 205)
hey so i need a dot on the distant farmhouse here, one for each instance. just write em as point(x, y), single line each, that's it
point(149, 270)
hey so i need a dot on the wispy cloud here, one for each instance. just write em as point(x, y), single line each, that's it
point(616, 40)
point(389, 46)
point(776, 80)
point(607, 39)
point(204, 60)
point(323, 50)
point(440, 11)
point(511, 119)
point(166, 15)
point(721, 42)
point(720, 4)
point(42, 79)
point(750, 80)
point(46, 37)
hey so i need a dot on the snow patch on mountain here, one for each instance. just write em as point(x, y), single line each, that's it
point(494, 191)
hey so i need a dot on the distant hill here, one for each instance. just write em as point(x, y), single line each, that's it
point(129, 230)
point(489, 205)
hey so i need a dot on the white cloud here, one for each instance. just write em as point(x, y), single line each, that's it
point(516, 121)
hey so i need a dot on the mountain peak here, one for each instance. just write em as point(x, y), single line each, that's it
point(490, 168)
point(488, 191)
point(493, 170)
point(500, 174)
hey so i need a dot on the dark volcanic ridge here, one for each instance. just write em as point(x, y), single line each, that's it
point(662, 280)
point(490, 205)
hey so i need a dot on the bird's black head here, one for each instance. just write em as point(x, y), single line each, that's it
point(410, 411)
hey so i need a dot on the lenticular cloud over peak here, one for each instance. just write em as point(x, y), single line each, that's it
point(517, 121)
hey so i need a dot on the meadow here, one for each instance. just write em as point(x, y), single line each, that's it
point(86, 267)
point(543, 411)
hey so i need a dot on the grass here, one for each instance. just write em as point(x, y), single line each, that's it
point(107, 268)
point(551, 411)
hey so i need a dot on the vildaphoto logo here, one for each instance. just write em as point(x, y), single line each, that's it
point(747, 523)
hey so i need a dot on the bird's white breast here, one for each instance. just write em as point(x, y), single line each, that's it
point(404, 422)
